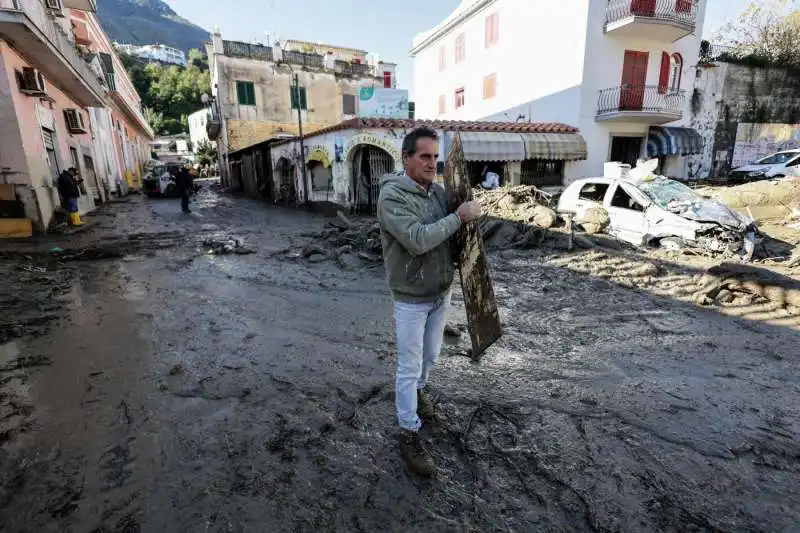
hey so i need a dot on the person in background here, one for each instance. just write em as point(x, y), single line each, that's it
point(68, 188)
point(416, 229)
point(184, 182)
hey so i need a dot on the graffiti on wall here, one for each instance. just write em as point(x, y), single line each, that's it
point(754, 141)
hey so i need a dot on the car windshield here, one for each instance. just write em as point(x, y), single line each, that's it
point(662, 192)
point(777, 159)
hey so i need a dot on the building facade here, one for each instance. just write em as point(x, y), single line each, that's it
point(620, 70)
point(59, 111)
point(254, 98)
point(345, 162)
point(154, 52)
point(198, 128)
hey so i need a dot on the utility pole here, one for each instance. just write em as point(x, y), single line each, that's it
point(302, 142)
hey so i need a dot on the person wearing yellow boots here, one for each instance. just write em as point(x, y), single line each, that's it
point(68, 188)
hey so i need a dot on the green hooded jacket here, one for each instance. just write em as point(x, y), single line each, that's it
point(415, 233)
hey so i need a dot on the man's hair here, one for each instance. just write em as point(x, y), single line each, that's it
point(72, 170)
point(410, 142)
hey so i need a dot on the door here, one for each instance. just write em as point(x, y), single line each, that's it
point(634, 77)
point(627, 215)
point(50, 147)
point(683, 6)
point(91, 178)
point(626, 150)
point(643, 8)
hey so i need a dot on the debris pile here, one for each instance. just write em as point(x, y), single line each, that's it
point(523, 203)
point(594, 220)
point(227, 246)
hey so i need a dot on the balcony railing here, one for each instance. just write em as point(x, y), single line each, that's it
point(250, 51)
point(641, 100)
point(353, 69)
point(678, 11)
point(303, 59)
point(42, 18)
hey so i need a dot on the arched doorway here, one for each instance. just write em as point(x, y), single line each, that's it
point(285, 171)
point(368, 165)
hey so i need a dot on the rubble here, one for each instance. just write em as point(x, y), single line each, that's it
point(522, 203)
point(227, 246)
point(594, 220)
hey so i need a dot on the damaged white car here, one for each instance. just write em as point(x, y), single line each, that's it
point(656, 211)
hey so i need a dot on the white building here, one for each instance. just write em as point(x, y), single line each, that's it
point(616, 69)
point(155, 52)
point(198, 121)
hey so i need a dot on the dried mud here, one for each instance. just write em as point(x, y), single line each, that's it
point(171, 389)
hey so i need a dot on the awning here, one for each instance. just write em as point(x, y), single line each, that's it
point(506, 146)
point(673, 141)
point(555, 146)
point(492, 146)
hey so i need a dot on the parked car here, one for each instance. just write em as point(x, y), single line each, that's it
point(777, 165)
point(657, 211)
point(159, 181)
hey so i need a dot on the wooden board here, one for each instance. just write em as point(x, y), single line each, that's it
point(483, 320)
point(14, 228)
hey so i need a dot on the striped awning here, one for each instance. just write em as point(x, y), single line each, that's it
point(508, 146)
point(492, 146)
point(673, 141)
point(555, 146)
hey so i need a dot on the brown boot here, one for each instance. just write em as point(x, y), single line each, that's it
point(417, 457)
point(424, 406)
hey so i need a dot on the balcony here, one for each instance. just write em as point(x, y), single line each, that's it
point(32, 31)
point(82, 5)
point(645, 105)
point(661, 20)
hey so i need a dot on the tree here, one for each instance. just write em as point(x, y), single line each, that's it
point(198, 59)
point(767, 29)
point(206, 155)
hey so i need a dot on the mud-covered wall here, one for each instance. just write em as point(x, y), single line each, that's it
point(728, 94)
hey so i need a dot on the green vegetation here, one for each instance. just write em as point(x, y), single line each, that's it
point(170, 93)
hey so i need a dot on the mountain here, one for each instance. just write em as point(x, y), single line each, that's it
point(149, 22)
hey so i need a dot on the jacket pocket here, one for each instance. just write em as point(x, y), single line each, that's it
point(414, 269)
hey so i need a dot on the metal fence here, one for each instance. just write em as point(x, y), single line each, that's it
point(682, 11)
point(648, 99)
point(303, 59)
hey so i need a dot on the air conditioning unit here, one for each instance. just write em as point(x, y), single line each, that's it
point(32, 82)
point(75, 121)
point(55, 5)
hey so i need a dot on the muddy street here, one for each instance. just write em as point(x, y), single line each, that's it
point(150, 385)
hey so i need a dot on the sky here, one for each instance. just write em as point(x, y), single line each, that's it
point(385, 27)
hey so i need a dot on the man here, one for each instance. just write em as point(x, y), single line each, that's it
point(415, 232)
point(184, 183)
point(68, 182)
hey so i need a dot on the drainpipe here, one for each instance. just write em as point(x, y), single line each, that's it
point(302, 143)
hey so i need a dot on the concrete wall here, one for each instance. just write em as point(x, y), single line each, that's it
point(727, 95)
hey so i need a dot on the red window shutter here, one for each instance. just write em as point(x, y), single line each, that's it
point(663, 80)
point(387, 80)
point(683, 6)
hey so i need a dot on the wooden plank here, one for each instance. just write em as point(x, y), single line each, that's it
point(483, 320)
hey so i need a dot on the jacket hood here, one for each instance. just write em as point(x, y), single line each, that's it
point(402, 182)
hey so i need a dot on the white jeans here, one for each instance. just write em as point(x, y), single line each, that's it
point(420, 328)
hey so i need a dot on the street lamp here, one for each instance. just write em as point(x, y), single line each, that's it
point(296, 89)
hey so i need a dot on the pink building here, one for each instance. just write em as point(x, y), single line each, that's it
point(65, 101)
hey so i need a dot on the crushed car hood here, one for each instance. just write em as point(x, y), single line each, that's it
point(709, 211)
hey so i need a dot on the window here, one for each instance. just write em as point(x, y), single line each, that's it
point(676, 70)
point(489, 86)
point(794, 162)
point(321, 176)
point(777, 159)
point(348, 104)
point(387, 80)
point(623, 200)
point(246, 92)
point(73, 154)
point(492, 29)
point(593, 192)
point(442, 105)
point(459, 97)
point(461, 48)
point(302, 101)
point(442, 58)
point(542, 172)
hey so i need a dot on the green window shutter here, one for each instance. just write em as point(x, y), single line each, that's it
point(293, 93)
point(241, 94)
point(303, 99)
point(251, 93)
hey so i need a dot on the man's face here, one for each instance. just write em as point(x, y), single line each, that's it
point(421, 167)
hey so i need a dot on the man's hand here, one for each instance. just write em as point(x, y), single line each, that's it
point(469, 211)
